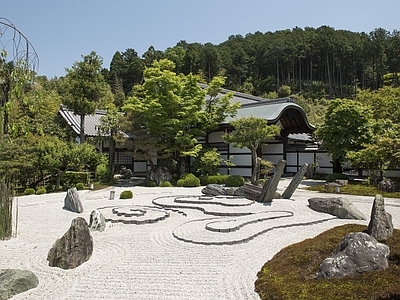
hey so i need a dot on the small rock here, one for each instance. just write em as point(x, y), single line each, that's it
point(97, 221)
point(380, 225)
point(72, 201)
point(213, 190)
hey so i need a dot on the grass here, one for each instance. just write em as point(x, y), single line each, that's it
point(290, 274)
point(355, 188)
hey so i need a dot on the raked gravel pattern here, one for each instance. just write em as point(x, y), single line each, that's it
point(194, 250)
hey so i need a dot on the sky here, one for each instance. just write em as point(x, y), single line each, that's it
point(62, 32)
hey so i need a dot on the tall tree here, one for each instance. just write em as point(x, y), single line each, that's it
point(245, 135)
point(84, 87)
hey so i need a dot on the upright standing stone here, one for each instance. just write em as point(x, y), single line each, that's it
point(380, 226)
point(97, 221)
point(73, 248)
point(295, 182)
point(269, 188)
point(72, 201)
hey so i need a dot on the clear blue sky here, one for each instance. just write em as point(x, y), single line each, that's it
point(63, 31)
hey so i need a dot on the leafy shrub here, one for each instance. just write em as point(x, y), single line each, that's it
point(208, 161)
point(71, 178)
point(126, 173)
point(29, 191)
point(213, 179)
point(102, 174)
point(334, 176)
point(191, 181)
point(126, 195)
point(234, 181)
point(41, 191)
point(165, 184)
point(180, 182)
point(79, 186)
point(151, 183)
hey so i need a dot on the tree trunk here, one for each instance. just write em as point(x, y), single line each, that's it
point(111, 155)
point(82, 132)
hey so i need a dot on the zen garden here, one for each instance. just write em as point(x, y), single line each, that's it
point(167, 177)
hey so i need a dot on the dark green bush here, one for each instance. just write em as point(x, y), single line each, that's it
point(102, 173)
point(41, 191)
point(79, 186)
point(334, 176)
point(72, 178)
point(151, 183)
point(191, 181)
point(234, 181)
point(165, 184)
point(180, 182)
point(213, 179)
point(126, 195)
point(29, 191)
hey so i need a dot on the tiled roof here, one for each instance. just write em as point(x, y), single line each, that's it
point(92, 122)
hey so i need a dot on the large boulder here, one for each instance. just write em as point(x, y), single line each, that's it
point(380, 225)
point(13, 282)
point(97, 221)
point(337, 206)
point(160, 174)
point(357, 253)
point(213, 190)
point(72, 201)
point(73, 248)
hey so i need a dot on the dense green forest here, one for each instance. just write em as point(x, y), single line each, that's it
point(315, 62)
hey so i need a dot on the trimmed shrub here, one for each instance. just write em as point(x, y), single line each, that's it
point(234, 181)
point(126, 195)
point(180, 182)
point(41, 191)
point(334, 176)
point(72, 178)
point(213, 179)
point(151, 183)
point(191, 181)
point(165, 184)
point(29, 191)
point(102, 174)
point(80, 186)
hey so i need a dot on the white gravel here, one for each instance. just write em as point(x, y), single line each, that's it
point(172, 259)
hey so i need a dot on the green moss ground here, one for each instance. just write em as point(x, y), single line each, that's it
point(290, 274)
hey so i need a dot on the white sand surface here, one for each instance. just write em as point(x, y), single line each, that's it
point(175, 258)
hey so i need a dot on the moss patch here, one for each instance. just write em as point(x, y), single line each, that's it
point(290, 274)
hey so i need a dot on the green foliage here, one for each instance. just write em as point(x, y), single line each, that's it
point(41, 191)
point(334, 176)
point(165, 184)
point(234, 181)
point(190, 180)
point(180, 182)
point(126, 195)
point(29, 191)
point(348, 125)
point(213, 179)
point(102, 173)
point(266, 167)
point(207, 162)
point(71, 178)
point(151, 183)
point(284, 91)
point(245, 135)
point(79, 186)
point(6, 200)
point(290, 274)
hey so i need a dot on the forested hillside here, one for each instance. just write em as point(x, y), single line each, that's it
point(315, 62)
